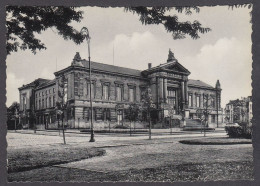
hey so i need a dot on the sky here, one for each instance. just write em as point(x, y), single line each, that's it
point(223, 53)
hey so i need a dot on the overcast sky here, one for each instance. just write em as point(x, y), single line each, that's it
point(224, 53)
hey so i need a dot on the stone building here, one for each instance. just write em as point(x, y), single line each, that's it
point(114, 88)
point(239, 110)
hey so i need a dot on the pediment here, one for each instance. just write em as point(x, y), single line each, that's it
point(175, 67)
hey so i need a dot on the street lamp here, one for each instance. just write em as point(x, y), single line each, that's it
point(84, 31)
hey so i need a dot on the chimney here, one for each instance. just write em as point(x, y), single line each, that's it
point(149, 65)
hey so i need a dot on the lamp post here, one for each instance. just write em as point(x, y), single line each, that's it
point(84, 31)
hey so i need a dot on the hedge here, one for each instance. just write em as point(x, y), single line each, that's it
point(239, 131)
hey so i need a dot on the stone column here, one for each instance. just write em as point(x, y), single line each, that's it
point(176, 102)
point(186, 92)
point(182, 94)
point(165, 90)
point(161, 90)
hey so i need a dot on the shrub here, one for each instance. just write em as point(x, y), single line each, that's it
point(239, 131)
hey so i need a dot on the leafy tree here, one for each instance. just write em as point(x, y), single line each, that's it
point(160, 15)
point(22, 22)
point(12, 114)
point(148, 106)
point(132, 114)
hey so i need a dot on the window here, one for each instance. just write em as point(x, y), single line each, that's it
point(53, 90)
point(131, 95)
point(119, 93)
point(106, 114)
point(198, 101)
point(40, 104)
point(50, 102)
point(171, 98)
point(53, 101)
point(46, 103)
point(46, 92)
point(49, 91)
point(171, 93)
point(105, 93)
point(65, 91)
point(92, 89)
point(42, 93)
point(36, 104)
point(213, 102)
point(86, 113)
point(190, 100)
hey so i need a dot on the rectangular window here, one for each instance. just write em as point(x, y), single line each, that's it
point(42, 103)
point(92, 89)
point(86, 113)
point(190, 100)
point(118, 93)
point(53, 90)
point(53, 101)
point(50, 102)
point(65, 92)
point(36, 104)
point(171, 93)
point(198, 101)
point(213, 102)
point(106, 115)
point(131, 94)
point(105, 92)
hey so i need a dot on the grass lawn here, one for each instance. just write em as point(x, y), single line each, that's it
point(32, 158)
point(217, 141)
point(183, 172)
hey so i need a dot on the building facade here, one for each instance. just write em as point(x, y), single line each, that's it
point(113, 89)
point(239, 110)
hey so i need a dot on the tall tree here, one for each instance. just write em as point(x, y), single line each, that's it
point(12, 114)
point(22, 22)
point(147, 106)
point(162, 15)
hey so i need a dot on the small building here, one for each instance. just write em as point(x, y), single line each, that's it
point(239, 110)
point(113, 89)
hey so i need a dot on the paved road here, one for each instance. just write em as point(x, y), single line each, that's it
point(25, 138)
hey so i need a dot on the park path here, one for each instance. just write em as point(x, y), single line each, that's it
point(151, 155)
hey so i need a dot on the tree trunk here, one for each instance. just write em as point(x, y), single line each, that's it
point(63, 131)
point(150, 128)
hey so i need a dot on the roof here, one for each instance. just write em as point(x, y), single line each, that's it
point(46, 83)
point(111, 68)
point(236, 102)
point(35, 83)
point(198, 83)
